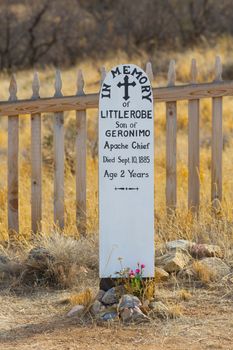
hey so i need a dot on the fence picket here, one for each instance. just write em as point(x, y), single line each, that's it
point(193, 148)
point(103, 74)
point(149, 72)
point(13, 171)
point(81, 136)
point(58, 158)
point(36, 186)
point(217, 142)
point(171, 121)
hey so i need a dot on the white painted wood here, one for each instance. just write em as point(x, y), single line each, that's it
point(58, 158)
point(126, 171)
point(36, 160)
point(81, 139)
point(13, 171)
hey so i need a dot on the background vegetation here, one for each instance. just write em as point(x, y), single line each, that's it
point(63, 33)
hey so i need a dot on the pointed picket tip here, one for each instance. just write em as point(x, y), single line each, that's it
point(80, 83)
point(218, 69)
point(13, 88)
point(36, 86)
point(58, 84)
point(193, 71)
point(171, 76)
point(103, 74)
point(149, 72)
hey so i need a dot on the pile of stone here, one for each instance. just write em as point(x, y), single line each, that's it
point(178, 257)
point(175, 258)
point(114, 304)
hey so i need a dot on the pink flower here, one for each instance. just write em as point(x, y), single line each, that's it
point(143, 266)
point(137, 271)
point(131, 273)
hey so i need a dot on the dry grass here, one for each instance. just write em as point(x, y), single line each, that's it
point(67, 250)
point(184, 294)
point(175, 311)
point(202, 272)
point(55, 261)
point(207, 228)
point(83, 298)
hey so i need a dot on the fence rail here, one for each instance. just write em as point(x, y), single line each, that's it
point(77, 103)
point(80, 102)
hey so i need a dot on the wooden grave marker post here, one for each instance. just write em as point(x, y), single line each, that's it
point(126, 172)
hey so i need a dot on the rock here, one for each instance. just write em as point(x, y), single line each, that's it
point(161, 275)
point(129, 310)
point(128, 301)
point(3, 266)
point(110, 297)
point(4, 259)
point(77, 310)
point(39, 254)
point(97, 307)
point(126, 314)
point(138, 316)
point(107, 312)
point(216, 267)
point(206, 250)
point(181, 244)
point(100, 295)
point(173, 261)
point(158, 309)
point(108, 316)
point(11, 268)
point(187, 274)
point(134, 315)
point(113, 295)
point(160, 250)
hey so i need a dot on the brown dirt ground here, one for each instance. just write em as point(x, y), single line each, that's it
point(37, 321)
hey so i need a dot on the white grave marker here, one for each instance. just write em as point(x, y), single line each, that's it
point(126, 171)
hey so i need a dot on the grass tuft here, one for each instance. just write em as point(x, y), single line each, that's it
point(202, 272)
point(184, 294)
point(55, 260)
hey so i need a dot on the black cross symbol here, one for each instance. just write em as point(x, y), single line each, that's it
point(126, 84)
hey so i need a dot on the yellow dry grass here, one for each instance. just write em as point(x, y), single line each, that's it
point(184, 294)
point(203, 273)
point(206, 228)
point(83, 298)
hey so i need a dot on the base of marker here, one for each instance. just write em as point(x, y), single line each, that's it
point(107, 283)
